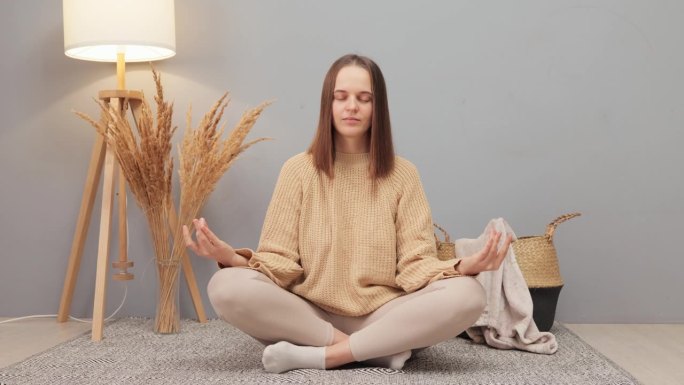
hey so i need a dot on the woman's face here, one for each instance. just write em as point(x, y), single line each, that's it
point(352, 107)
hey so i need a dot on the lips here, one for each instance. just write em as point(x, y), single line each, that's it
point(352, 120)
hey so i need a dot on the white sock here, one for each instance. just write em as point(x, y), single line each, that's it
point(283, 356)
point(395, 361)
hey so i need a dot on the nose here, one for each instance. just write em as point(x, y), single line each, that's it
point(352, 104)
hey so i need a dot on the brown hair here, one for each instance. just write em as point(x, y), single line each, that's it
point(381, 148)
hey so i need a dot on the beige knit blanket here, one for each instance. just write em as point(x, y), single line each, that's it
point(506, 322)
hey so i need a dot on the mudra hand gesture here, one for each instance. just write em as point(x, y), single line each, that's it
point(487, 259)
point(208, 245)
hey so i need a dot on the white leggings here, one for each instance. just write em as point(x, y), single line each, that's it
point(250, 301)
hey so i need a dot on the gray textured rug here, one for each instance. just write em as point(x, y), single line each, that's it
point(216, 353)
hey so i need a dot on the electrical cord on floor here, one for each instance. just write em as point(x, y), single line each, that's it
point(123, 300)
point(71, 317)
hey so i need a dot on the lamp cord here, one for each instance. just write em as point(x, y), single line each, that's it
point(71, 317)
point(123, 300)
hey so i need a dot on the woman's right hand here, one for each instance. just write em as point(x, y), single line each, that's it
point(208, 245)
point(489, 258)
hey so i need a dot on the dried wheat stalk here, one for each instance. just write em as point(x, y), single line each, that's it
point(145, 159)
point(205, 157)
point(146, 162)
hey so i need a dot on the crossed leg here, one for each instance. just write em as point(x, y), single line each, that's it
point(313, 338)
point(250, 301)
point(439, 311)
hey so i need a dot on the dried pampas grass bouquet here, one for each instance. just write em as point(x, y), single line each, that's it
point(145, 159)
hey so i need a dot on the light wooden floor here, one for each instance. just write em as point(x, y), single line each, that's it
point(654, 354)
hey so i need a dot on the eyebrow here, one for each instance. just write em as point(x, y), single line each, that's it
point(346, 92)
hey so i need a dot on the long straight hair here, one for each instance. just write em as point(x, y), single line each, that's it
point(381, 154)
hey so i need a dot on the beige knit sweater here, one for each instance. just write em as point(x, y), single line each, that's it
point(334, 243)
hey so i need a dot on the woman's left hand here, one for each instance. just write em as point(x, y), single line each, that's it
point(487, 259)
point(208, 245)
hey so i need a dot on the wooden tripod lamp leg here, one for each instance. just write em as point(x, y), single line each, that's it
point(123, 263)
point(192, 286)
point(103, 248)
point(89, 191)
point(188, 272)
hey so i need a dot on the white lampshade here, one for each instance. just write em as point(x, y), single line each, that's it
point(97, 30)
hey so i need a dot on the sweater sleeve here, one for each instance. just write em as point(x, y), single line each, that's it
point(278, 253)
point(417, 262)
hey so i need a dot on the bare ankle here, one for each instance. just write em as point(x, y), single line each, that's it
point(338, 337)
point(338, 354)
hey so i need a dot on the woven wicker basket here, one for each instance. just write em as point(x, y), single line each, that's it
point(537, 257)
point(446, 249)
point(538, 262)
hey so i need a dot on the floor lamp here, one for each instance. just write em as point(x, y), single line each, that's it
point(121, 31)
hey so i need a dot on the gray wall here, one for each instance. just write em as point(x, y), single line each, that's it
point(524, 110)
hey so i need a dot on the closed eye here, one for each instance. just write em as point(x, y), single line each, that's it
point(363, 96)
point(340, 95)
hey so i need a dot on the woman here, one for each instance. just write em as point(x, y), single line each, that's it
point(346, 268)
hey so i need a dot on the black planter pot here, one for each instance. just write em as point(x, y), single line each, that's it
point(545, 300)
